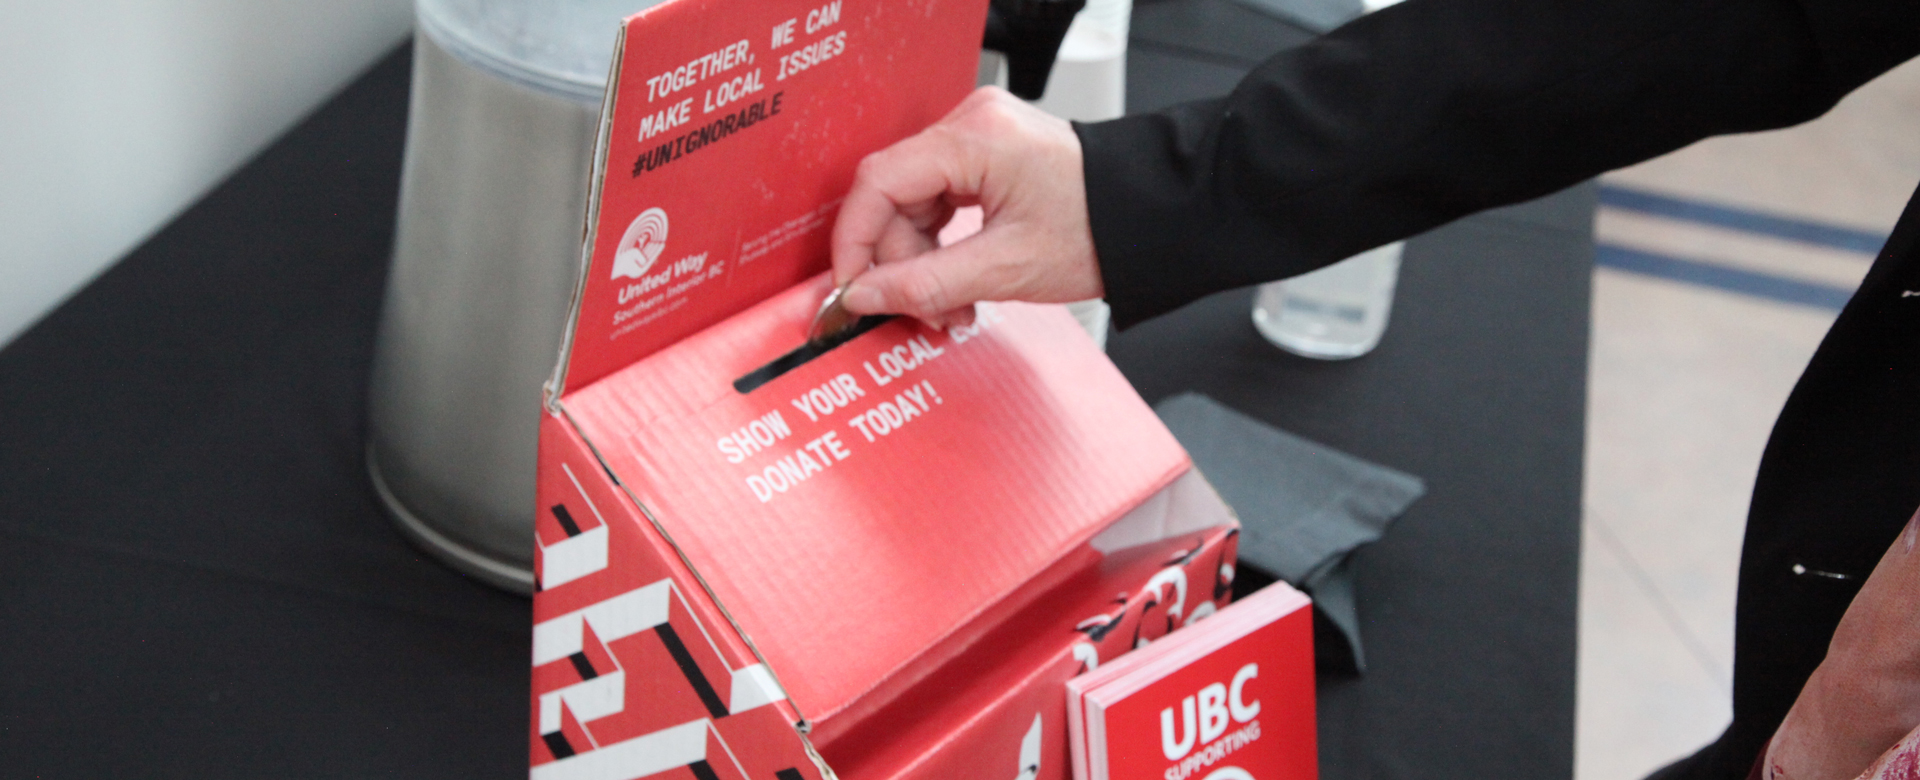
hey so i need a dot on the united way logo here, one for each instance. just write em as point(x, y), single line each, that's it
point(645, 239)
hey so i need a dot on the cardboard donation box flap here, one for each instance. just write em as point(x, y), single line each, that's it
point(881, 560)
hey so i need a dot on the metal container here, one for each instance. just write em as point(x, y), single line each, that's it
point(505, 103)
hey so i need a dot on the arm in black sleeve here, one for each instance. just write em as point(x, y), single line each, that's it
point(1425, 112)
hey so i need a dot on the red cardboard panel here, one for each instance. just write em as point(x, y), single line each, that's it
point(997, 703)
point(955, 725)
point(853, 513)
point(735, 129)
point(633, 666)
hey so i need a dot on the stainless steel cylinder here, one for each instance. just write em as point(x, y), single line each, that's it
point(491, 201)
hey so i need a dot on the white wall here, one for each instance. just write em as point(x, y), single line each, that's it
point(115, 115)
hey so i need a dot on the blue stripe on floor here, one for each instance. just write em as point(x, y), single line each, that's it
point(1721, 277)
point(1804, 231)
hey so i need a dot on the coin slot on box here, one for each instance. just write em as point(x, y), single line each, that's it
point(805, 353)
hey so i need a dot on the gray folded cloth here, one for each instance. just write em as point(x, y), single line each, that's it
point(1303, 506)
point(1316, 15)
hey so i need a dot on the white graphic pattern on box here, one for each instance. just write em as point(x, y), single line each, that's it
point(642, 609)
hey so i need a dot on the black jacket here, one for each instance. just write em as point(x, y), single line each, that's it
point(1425, 112)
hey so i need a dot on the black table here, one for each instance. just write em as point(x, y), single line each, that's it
point(1469, 605)
point(197, 581)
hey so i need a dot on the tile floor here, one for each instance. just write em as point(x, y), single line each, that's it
point(1704, 316)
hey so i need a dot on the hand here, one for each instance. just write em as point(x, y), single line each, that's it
point(1020, 165)
point(1865, 695)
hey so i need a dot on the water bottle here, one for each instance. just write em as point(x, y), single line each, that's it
point(1335, 313)
point(1340, 311)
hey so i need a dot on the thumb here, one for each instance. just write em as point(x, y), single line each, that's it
point(933, 287)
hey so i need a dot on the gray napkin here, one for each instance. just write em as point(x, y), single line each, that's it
point(1316, 15)
point(1302, 506)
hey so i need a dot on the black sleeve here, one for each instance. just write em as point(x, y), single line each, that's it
point(1433, 109)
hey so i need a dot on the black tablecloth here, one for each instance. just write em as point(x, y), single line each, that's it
point(197, 581)
point(1468, 606)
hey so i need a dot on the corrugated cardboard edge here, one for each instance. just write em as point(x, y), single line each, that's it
point(556, 385)
point(1114, 538)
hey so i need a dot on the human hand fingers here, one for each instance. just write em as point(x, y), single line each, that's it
point(896, 203)
point(1021, 165)
point(940, 286)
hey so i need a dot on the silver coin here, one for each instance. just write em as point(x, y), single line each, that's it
point(832, 320)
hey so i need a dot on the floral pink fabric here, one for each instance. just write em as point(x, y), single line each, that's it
point(1900, 763)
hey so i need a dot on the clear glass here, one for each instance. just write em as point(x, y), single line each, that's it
point(1335, 313)
point(1089, 80)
